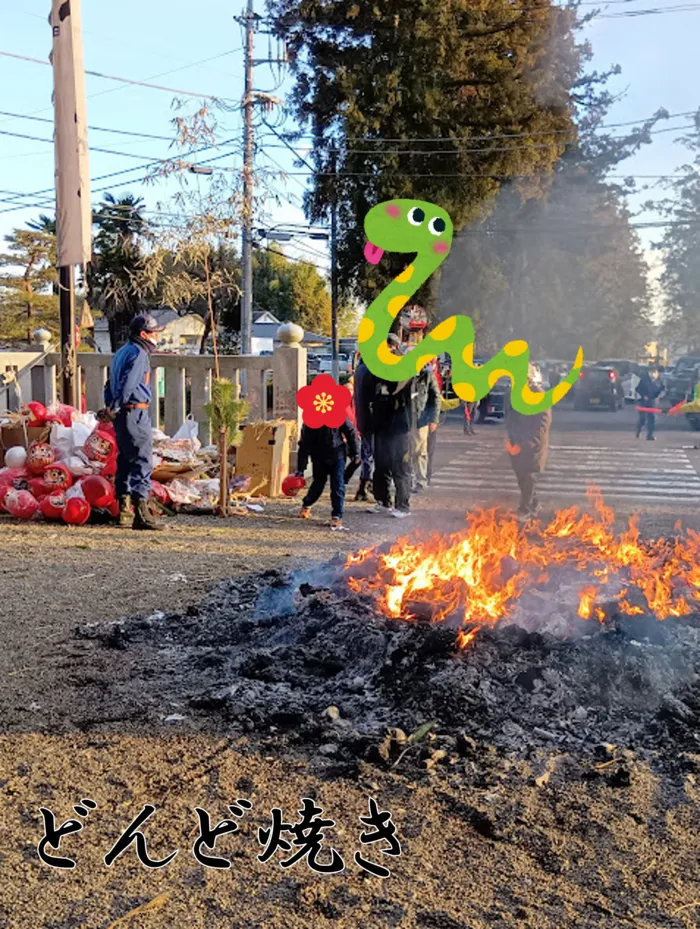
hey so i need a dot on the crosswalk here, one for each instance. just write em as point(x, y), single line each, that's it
point(635, 475)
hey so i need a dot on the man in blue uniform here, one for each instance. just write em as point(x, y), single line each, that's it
point(127, 398)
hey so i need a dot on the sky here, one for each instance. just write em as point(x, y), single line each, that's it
point(198, 48)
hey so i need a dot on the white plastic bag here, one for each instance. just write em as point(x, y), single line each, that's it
point(75, 491)
point(86, 419)
point(79, 466)
point(62, 441)
point(189, 431)
point(81, 431)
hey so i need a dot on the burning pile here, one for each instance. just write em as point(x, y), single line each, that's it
point(567, 651)
point(477, 577)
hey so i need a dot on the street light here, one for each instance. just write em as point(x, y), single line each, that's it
point(317, 235)
point(275, 236)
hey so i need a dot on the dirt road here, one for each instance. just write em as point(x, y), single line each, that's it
point(528, 843)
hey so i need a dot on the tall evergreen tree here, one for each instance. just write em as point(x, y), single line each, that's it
point(680, 279)
point(436, 101)
point(27, 288)
point(117, 251)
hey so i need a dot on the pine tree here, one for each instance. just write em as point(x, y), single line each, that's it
point(27, 297)
point(440, 102)
point(681, 248)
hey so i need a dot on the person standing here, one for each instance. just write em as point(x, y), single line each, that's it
point(391, 426)
point(425, 415)
point(362, 395)
point(432, 436)
point(327, 448)
point(127, 399)
point(529, 447)
point(469, 408)
point(649, 389)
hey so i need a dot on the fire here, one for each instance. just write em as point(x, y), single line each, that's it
point(478, 574)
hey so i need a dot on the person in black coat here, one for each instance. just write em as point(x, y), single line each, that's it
point(363, 386)
point(391, 427)
point(649, 389)
point(327, 448)
point(529, 448)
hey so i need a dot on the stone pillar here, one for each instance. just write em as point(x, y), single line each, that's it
point(43, 375)
point(289, 372)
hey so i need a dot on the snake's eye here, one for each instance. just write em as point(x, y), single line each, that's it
point(437, 226)
point(416, 216)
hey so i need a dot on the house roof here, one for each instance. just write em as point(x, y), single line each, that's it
point(265, 316)
point(268, 330)
point(163, 317)
point(312, 338)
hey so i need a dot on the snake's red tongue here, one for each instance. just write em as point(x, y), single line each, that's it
point(373, 253)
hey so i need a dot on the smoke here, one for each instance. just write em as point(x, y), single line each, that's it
point(285, 593)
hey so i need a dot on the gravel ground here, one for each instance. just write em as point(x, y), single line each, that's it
point(575, 853)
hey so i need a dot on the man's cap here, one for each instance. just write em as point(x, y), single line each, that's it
point(144, 323)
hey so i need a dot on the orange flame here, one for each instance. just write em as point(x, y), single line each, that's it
point(479, 574)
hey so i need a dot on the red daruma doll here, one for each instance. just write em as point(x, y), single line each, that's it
point(101, 448)
point(39, 457)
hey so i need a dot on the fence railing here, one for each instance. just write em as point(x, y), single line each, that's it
point(269, 383)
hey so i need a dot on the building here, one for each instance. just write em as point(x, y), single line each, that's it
point(182, 334)
point(265, 326)
point(264, 334)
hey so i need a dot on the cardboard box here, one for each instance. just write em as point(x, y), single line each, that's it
point(264, 455)
point(18, 435)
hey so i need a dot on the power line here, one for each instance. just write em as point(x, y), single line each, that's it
point(205, 148)
point(125, 80)
point(497, 177)
point(284, 141)
point(485, 139)
point(394, 152)
point(628, 14)
point(632, 122)
point(124, 132)
point(93, 148)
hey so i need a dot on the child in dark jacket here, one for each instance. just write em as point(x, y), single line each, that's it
point(328, 449)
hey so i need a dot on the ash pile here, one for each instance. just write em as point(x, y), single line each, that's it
point(304, 659)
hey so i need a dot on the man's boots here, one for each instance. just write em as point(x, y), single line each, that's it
point(362, 490)
point(126, 513)
point(143, 518)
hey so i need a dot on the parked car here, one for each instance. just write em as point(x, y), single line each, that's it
point(629, 372)
point(494, 404)
point(326, 364)
point(681, 380)
point(599, 386)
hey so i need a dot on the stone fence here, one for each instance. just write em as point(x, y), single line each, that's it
point(181, 384)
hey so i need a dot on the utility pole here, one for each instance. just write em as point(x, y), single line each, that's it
point(334, 270)
point(73, 210)
point(69, 355)
point(249, 20)
point(247, 244)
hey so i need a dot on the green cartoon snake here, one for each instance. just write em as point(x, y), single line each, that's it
point(423, 229)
